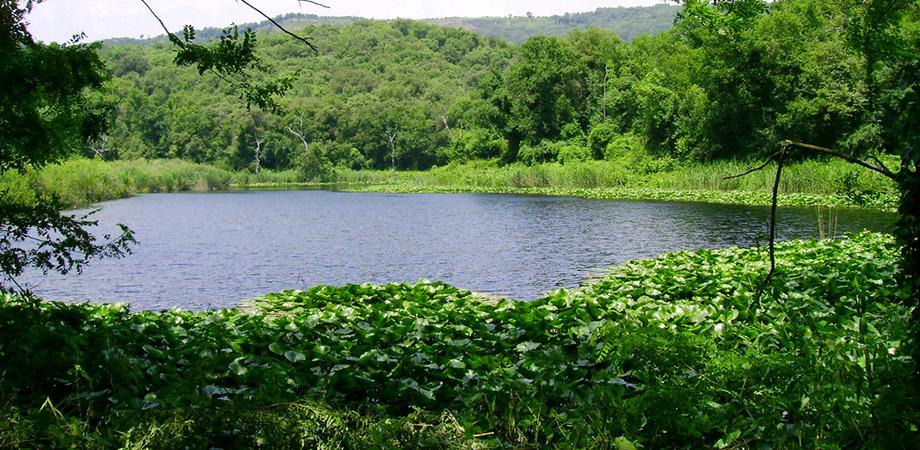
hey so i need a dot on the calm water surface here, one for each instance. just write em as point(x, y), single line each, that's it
point(199, 251)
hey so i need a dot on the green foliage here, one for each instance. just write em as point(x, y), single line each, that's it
point(546, 88)
point(478, 143)
point(373, 75)
point(45, 114)
point(572, 152)
point(625, 145)
point(538, 154)
point(600, 137)
point(671, 352)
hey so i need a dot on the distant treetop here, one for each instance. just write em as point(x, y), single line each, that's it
point(626, 22)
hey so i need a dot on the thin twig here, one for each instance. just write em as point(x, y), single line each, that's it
point(314, 3)
point(760, 167)
point(285, 30)
point(18, 286)
point(163, 25)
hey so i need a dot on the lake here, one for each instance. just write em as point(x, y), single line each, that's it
point(208, 250)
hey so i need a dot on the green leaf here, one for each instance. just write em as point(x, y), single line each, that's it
point(527, 346)
point(293, 356)
point(237, 367)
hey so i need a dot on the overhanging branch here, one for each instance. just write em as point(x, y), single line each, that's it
point(266, 16)
point(780, 158)
point(285, 30)
point(880, 168)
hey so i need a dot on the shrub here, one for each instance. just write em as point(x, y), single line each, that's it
point(570, 152)
point(600, 137)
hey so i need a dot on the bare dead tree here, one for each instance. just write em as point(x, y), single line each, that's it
point(392, 133)
point(604, 98)
point(100, 146)
point(257, 157)
point(447, 127)
point(300, 132)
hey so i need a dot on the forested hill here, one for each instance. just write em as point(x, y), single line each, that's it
point(626, 22)
point(370, 78)
point(723, 83)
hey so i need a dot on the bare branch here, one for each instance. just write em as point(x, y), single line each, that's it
point(760, 167)
point(163, 25)
point(313, 3)
point(275, 23)
point(881, 165)
point(880, 169)
point(285, 30)
point(780, 159)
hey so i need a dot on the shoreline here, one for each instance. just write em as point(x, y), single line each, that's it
point(78, 183)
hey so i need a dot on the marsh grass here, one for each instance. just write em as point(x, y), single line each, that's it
point(806, 177)
point(79, 182)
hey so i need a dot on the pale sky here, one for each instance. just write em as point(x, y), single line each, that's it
point(58, 20)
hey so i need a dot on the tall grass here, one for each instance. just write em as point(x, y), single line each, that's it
point(266, 178)
point(78, 182)
point(807, 177)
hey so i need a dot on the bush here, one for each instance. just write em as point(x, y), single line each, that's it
point(570, 152)
point(600, 137)
point(478, 143)
point(546, 151)
point(621, 145)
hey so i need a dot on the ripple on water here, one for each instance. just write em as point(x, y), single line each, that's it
point(202, 250)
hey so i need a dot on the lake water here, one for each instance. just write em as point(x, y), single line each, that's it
point(209, 250)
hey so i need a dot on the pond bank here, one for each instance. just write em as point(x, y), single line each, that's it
point(81, 182)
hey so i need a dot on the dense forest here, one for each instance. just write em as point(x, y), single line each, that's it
point(626, 22)
point(435, 95)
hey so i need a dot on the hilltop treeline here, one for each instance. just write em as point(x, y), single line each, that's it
point(626, 22)
point(725, 82)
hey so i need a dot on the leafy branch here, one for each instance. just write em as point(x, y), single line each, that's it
point(56, 242)
point(232, 57)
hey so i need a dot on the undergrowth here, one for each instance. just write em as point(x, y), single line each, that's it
point(673, 352)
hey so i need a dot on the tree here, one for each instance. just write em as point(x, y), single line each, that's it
point(547, 90)
point(44, 116)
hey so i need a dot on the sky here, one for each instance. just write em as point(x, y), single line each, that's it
point(59, 20)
